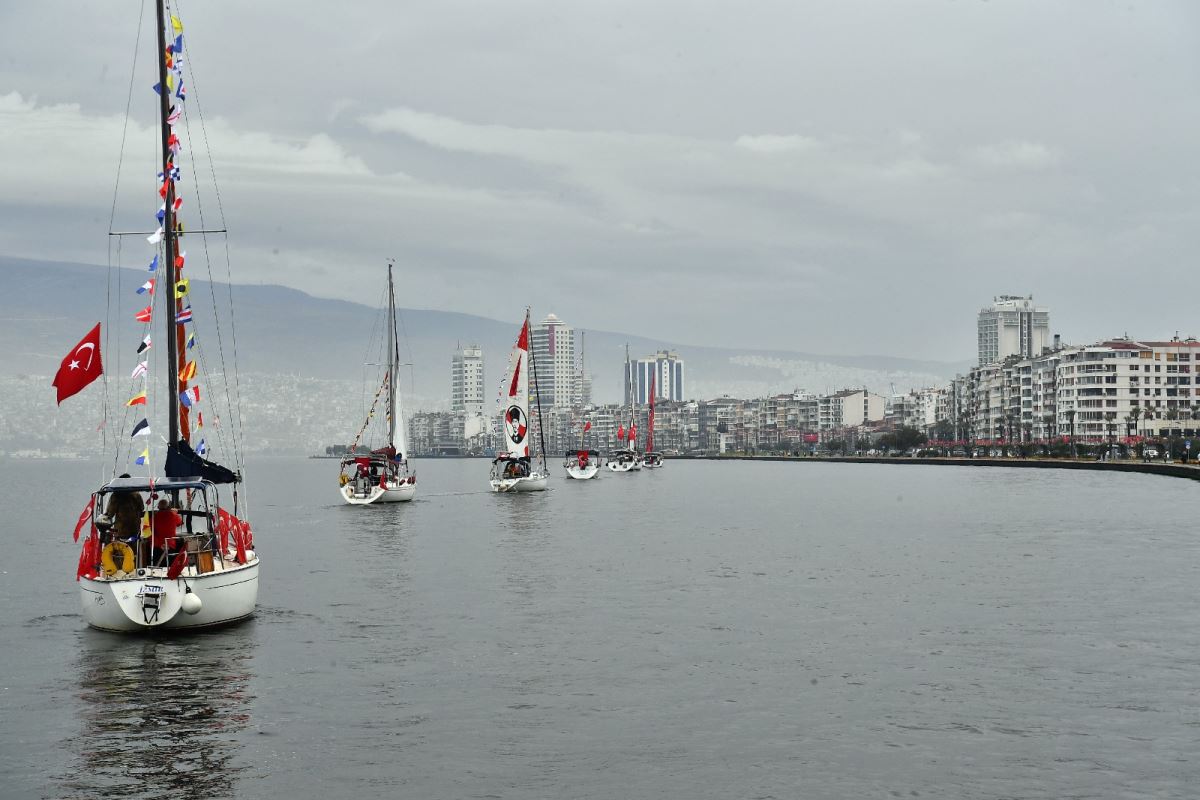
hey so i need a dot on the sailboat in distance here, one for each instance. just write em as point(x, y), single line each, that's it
point(170, 549)
point(652, 459)
point(516, 469)
point(382, 475)
point(625, 457)
point(582, 464)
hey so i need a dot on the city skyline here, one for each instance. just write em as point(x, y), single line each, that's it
point(514, 172)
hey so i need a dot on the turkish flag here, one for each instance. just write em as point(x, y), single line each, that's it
point(80, 367)
point(587, 426)
point(85, 516)
point(177, 565)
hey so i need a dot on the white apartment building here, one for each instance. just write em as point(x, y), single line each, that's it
point(1012, 326)
point(466, 381)
point(668, 371)
point(849, 408)
point(557, 373)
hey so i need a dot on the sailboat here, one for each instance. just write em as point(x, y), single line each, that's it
point(582, 464)
point(651, 459)
point(516, 470)
point(171, 550)
point(625, 458)
point(382, 475)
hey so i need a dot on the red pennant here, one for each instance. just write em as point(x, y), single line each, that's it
point(523, 339)
point(512, 390)
point(85, 516)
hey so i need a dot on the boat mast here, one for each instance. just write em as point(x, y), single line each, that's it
point(169, 244)
point(582, 372)
point(630, 388)
point(537, 394)
point(650, 419)
point(393, 357)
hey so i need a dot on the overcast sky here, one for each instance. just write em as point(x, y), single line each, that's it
point(832, 177)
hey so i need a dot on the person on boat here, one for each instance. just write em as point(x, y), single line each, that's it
point(165, 523)
point(126, 509)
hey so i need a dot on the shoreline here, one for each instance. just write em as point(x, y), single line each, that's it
point(1174, 470)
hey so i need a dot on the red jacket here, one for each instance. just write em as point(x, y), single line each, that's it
point(164, 522)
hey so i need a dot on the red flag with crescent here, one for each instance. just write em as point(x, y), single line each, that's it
point(85, 516)
point(80, 367)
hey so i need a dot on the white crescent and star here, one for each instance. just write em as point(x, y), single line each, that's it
point(91, 355)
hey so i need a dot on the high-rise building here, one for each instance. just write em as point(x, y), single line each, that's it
point(554, 364)
point(1012, 326)
point(466, 381)
point(668, 371)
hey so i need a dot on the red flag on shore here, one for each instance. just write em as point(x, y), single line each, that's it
point(80, 367)
point(587, 426)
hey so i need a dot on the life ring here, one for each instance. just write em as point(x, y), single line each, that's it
point(108, 558)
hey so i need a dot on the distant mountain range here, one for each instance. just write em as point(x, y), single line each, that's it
point(45, 307)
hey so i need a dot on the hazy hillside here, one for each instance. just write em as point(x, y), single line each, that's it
point(45, 307)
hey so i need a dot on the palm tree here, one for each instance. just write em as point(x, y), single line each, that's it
point(1131, 421)
point(1070, 412)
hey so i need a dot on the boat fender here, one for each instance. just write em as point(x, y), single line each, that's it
point(190, 604)
point(342, 479)
point(108, 558)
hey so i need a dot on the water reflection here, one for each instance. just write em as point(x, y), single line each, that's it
point(160, 717)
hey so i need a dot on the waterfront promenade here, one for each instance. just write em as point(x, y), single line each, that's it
point(1171, 469)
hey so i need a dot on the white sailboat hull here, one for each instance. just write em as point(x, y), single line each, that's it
point(583, 473)
point(626, 466)
point(527, 483)
point(376, 494)
point(118, 604)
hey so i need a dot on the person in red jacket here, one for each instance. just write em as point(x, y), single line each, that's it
point(164, 525)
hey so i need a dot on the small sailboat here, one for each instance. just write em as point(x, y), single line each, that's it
point(382, 475)
point(625, 458)
point(582, 464)
point(651, 459)
point(516, 469)
point(169, 550)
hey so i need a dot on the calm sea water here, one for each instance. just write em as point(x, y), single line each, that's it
point(710, 630)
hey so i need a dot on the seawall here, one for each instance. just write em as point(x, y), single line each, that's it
point(1173, 470)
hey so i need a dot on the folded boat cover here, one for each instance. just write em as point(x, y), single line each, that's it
point(182, 462)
